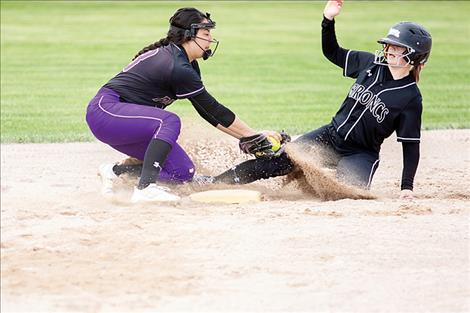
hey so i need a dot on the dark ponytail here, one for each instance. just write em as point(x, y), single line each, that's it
point(162, 42)
point(416, 71)
point(179, 22)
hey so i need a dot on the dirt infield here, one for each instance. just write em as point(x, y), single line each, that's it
point(65, 248)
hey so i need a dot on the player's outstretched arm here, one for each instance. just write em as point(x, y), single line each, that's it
point(223, 118)
point(352, 62)
point(330, 47)
point(239, 129)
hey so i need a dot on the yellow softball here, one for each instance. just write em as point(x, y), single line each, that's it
point(276, 145)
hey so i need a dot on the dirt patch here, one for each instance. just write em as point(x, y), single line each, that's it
point(65, 248)
point(313, 179)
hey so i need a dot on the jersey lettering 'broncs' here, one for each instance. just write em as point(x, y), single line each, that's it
point(370, 100)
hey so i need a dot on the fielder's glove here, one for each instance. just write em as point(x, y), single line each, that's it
point(263, 147)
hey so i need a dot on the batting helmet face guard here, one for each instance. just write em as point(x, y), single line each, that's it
point(412, 36)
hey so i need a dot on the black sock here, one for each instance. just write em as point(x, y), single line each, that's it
point(133, 170)
point(252, 170)
point(154, 158)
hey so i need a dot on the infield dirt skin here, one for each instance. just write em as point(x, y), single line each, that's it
point(66, 248)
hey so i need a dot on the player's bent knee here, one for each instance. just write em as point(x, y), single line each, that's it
point(353, 176)
point(170, 128)
point(172, 120)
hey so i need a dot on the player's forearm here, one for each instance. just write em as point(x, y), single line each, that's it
point(237, 129)
point(330, 47)
point(410, 164)
point(211, 110)
point(222, 117)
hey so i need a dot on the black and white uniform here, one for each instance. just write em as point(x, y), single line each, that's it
point(374, 108)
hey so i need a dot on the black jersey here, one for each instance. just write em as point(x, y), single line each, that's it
point(158, 77)
point(376, 105)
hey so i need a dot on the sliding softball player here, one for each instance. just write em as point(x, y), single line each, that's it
point(384, 99)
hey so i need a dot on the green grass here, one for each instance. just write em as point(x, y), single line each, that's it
point(269, 68)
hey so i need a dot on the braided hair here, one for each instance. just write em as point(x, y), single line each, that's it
point(179, 22)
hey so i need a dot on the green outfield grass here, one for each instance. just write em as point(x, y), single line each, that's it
point(269, 68)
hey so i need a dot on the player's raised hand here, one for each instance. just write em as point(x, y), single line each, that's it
point(332, 9)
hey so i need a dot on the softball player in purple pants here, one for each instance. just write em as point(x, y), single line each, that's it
point(128, 113)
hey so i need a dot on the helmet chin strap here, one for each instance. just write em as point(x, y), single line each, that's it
point(207, 53)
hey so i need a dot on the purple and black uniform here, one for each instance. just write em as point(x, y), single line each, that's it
point(128, 112)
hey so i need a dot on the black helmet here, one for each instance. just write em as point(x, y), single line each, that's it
point(412, 36)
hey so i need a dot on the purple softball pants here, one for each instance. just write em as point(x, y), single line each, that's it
point(129, 128)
